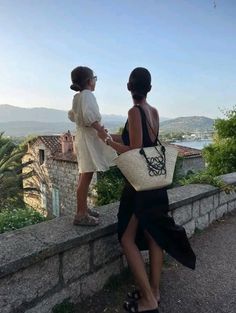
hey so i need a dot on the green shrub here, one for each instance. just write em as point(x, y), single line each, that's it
point(220, 156)
point(206, 177)
point(18, 218)
point(109, 186)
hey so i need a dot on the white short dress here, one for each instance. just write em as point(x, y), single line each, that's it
point(93, 154)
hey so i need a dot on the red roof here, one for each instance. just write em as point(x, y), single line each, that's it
point(52, 142)
point(187, 151)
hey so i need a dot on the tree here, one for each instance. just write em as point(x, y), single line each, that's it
point(220, 156)
point(11, 175)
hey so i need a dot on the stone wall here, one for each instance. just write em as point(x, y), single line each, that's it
point(44, 264)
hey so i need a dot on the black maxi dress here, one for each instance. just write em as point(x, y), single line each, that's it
point(151, 209)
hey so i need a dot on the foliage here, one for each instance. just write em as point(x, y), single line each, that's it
point(11, 175)
point(206, 177)
point(11, 219)
point(109, 186)
point(220, 156)
point(177, 176)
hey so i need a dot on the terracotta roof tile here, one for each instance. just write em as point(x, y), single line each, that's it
point(187, 151)
point(68, 157)
point(52, 142)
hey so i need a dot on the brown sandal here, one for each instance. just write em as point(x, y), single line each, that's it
point(86, 220)
point(93, 213)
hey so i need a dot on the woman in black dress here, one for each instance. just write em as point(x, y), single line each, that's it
point(143, 221)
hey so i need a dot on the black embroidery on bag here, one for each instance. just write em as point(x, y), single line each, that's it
point(156, 165)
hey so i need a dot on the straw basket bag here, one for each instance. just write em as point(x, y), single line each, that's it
point(148, 168)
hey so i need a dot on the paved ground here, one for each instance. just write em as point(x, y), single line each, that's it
point(211, 288)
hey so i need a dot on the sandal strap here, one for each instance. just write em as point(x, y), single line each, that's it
point(86, 220)
point(131, 306)
point(135, 294)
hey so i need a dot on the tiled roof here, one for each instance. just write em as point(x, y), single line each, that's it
point(68, 157)
point(188, 152)
point(52, 142)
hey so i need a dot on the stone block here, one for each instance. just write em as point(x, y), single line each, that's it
point(196, 209)
point(231, 206)
point(212, 216)
point(74, 290)
point(216, 200)
point(190, 228)
point(202, 222)
point(221, 210)
point(71, 292)
point(224, 197)
point(206, 205)
point(106, 249)
point(46, 305)
point(29, 284)
point(96, 281)
point(183, 214)
point(76, 262)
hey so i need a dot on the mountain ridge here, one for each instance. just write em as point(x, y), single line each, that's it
point(14, 122)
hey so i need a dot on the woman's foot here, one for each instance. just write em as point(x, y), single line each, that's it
point(157, 295)
point(136, 295)
point(141, 306)
point(85, 220)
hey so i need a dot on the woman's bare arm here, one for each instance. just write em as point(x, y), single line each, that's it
point(135, 133)
point(116, 138)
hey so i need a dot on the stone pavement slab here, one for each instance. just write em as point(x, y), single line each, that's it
point(211, 288)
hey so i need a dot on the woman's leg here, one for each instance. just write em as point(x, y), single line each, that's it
point(135, 261)
point(82, 193)
point(156, 261)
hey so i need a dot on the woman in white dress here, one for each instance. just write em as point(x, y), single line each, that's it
point(92, 154)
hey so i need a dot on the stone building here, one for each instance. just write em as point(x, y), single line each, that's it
point(190, 160)
point(56, 169)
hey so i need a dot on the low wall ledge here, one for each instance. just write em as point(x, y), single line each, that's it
point(21, 248)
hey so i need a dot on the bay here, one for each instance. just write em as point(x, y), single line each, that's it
point(196, 144)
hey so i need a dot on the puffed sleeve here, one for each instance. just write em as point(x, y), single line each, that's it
point(91, 112)
point(71, 113)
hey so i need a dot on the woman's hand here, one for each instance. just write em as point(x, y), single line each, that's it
point(103, 133)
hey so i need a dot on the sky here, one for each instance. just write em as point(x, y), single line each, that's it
point(189, 46)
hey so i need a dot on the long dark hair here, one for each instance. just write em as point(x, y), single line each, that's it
point(79, 77)
point(139, 83)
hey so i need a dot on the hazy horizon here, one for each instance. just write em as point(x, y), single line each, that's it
point(187, 45)
point(123, 115)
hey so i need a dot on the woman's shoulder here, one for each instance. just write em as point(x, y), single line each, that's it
point(153, 111)
point(87, 95)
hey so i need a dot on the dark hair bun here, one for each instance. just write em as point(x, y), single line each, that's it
point(79, 77)
point(75, 87)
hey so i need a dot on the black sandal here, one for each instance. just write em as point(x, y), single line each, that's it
point(132, 307)
point(135, 295)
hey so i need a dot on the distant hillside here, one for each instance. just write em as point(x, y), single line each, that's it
point(10, 113)
point(187, 124)
point(18, 122)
